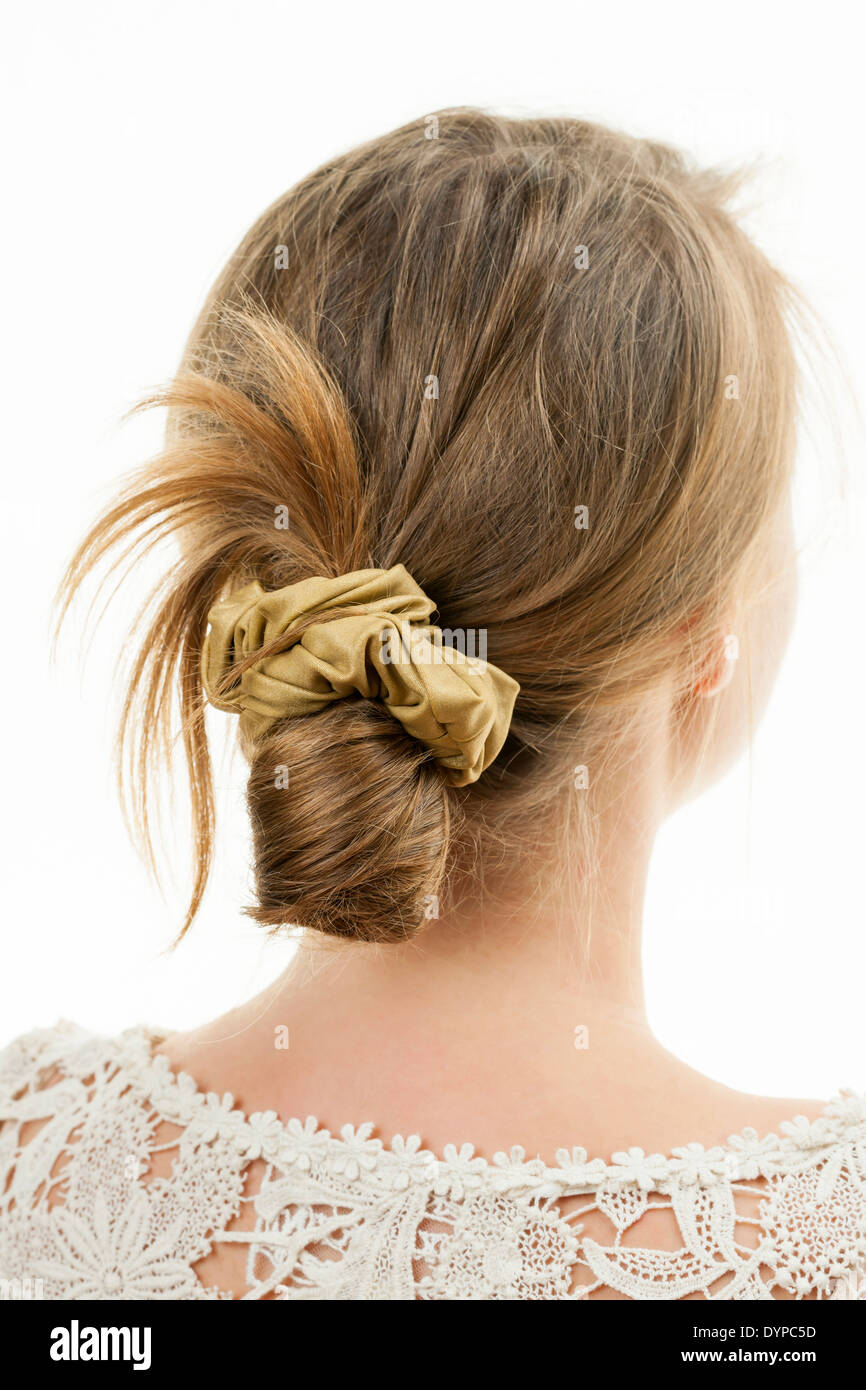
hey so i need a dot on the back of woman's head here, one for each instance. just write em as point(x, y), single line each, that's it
point(535, 363)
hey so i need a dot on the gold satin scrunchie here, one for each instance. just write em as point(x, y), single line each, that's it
point(459, 706)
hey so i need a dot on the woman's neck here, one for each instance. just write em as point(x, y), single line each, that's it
point(553, 944)
point(518, 1019)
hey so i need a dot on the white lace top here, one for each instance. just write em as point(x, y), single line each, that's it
point(120, 1179)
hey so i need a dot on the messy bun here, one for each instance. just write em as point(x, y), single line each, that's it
point(359, 849)
point(535, 363)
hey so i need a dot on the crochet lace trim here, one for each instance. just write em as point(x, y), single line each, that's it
point(357, 1154)
point(133, 1178)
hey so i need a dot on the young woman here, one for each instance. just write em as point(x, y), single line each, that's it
point(478, 464)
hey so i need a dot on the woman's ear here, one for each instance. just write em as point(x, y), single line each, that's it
point(717, 670)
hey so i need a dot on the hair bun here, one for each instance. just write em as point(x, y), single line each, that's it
point(351, 824)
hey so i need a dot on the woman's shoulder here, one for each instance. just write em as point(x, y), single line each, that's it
point(30, 1056)
point(133, 1143)
point(64, 1067)
point(755, 1133)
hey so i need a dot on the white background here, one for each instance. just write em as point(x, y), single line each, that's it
point(140, 145)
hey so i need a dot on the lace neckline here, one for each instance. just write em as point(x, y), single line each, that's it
point(358, 1154)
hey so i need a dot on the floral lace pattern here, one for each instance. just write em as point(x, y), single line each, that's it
point(118, 1177)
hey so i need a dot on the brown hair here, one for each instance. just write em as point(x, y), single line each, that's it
point(431, 351)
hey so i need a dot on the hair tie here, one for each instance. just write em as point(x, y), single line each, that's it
point(459, 705)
